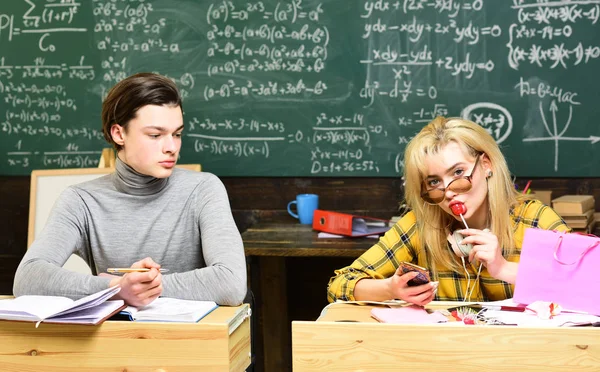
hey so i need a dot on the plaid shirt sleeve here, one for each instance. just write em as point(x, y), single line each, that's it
point(379, 262)
point(550, 220)
point(535, 214)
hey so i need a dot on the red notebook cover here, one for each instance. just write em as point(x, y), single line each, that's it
point(348, 224)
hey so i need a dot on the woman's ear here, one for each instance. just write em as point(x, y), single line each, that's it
point(486, 163)
point(117, 133)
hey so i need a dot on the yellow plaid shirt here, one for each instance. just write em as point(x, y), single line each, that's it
point(401, 243)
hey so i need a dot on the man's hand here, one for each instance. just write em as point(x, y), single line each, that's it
point(146, 263)
point(139, 289)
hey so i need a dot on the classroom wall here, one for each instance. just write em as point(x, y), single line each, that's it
point(14, 208)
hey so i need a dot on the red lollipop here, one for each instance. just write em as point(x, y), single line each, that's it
point(458, 208)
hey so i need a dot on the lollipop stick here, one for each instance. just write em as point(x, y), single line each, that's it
point(463, 220)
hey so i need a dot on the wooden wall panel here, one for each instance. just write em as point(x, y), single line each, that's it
point(255, 199)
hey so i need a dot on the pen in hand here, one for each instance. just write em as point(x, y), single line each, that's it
point(123, 270)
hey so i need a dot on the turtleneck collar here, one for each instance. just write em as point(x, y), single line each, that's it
point(128, 181)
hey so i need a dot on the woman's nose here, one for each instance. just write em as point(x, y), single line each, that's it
point(449, 194)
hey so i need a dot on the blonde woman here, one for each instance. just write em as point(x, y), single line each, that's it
point(456, 177)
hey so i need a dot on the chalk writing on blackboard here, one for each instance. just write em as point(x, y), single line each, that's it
point(306, 88)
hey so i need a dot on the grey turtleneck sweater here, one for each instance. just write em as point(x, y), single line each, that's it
point(182, 222)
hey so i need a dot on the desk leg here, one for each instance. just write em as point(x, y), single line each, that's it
point(276, 327)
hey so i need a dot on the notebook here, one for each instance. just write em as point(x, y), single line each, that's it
point(348, 224)
point(407, 315)
point(165, 309)
point(90, 310)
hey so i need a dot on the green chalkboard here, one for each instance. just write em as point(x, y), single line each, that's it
point(303, 87)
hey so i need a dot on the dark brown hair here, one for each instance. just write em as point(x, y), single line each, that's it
point(130, 94)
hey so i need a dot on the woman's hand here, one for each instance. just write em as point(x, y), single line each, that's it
point(418, 295)
point(487, 250)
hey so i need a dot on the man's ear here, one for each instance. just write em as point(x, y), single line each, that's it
point(118, 134)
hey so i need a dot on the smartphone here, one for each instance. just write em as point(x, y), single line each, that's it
point(421, 278)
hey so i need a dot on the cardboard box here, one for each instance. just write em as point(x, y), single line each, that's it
point(570, 205)
point(545, 196)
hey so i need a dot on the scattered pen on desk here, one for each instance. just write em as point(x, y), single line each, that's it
point(592, 324)
point(491, 307)
point(123, 270)
point(504, 308)
point(500, 307)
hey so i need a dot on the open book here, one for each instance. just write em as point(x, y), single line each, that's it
point(165, 309)
point(91, 310)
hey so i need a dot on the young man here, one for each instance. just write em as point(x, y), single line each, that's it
point(147, 214)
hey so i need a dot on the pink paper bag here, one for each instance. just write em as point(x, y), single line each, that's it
point(561, 268)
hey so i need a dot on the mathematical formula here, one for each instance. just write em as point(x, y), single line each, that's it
point(341, 87)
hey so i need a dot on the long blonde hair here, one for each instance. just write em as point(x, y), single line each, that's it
point(432, 222)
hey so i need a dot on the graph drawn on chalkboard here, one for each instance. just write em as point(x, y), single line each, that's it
point(306, 87)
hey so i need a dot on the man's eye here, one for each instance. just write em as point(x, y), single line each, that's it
point(178, 135)
point(459, 172)
point(154, 135)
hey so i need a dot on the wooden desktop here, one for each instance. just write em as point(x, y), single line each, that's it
point(346, 338)
point(219, 342)
point(268, 245)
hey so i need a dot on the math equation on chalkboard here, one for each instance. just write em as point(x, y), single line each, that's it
point(330, 88)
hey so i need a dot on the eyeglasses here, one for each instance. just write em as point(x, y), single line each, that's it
point(459, 185)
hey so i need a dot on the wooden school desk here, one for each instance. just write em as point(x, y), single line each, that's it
point(269, 245)
point(334, 343)
point(219, 342)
